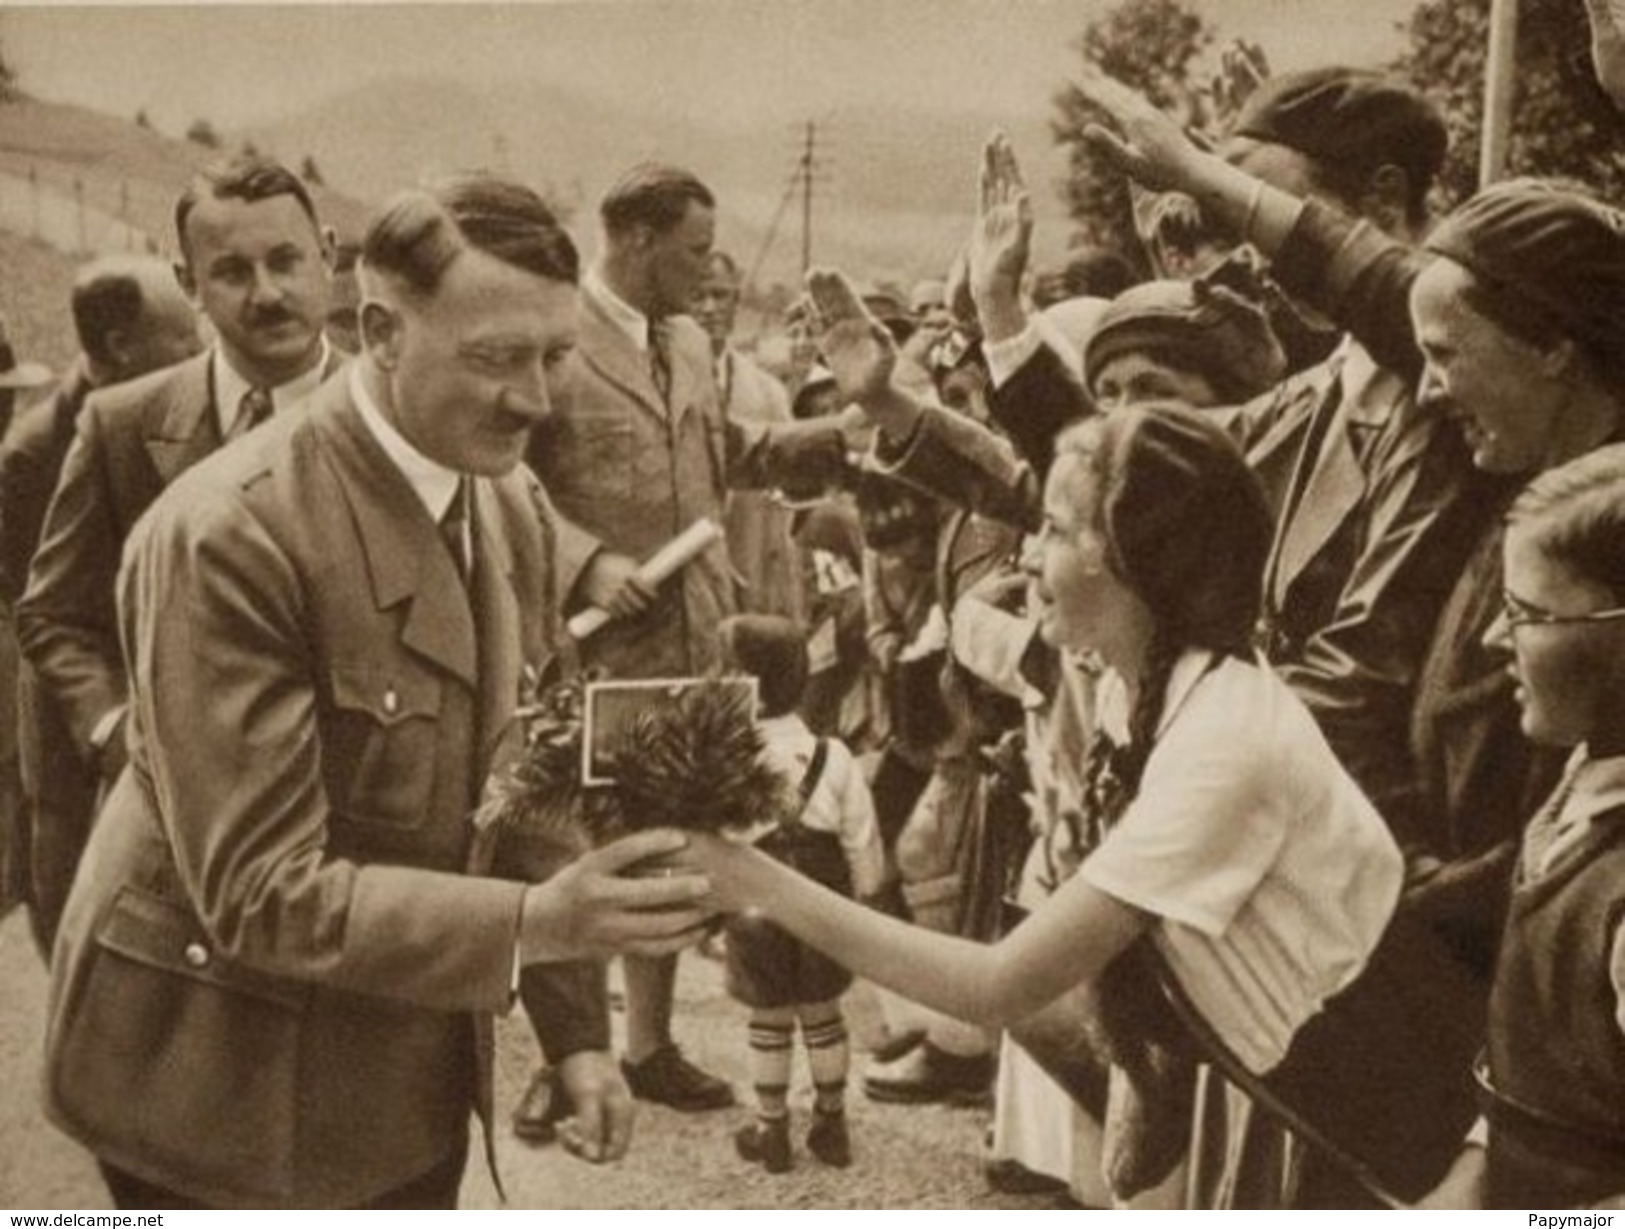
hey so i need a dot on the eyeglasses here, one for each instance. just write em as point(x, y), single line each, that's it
point(1519, 612)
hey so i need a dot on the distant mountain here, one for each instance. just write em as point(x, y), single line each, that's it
point(892, 196)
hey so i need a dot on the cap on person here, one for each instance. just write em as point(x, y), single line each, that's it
point(1176, 495)
point(1351, 122)
point(1208, 330)
point(1543, 254)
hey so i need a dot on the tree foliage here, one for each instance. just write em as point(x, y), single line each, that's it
point(1562, 123)
point(1152, 45)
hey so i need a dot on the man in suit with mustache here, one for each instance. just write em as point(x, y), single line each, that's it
point(254, 261)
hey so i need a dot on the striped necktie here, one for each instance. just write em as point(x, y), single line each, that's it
point(660, 356)
point(252, 410)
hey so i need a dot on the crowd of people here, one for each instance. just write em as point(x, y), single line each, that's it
point(1204, 692)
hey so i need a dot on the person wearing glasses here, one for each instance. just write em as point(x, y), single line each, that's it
point(1553, 1071)
point(1511, 318)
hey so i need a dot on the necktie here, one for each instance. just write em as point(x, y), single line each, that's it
point(252, 410)
point(454, 530)
point(659, 357)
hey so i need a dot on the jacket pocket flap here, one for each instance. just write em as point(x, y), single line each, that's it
point(388, 695)
point(165, 935)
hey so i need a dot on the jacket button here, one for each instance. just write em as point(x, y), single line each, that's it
point(196, 955)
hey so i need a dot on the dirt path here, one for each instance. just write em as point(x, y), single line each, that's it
point(907, 1157)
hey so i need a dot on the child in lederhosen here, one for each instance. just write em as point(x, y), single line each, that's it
point(833, 838)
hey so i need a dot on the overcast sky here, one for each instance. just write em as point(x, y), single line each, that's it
point(767, 59)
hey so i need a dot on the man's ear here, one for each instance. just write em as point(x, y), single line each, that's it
point(381, 327)
point(330, 247)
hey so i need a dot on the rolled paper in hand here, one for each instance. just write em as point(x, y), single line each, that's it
point(655, 570)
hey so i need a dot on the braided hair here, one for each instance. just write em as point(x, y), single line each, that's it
point(1187, 529)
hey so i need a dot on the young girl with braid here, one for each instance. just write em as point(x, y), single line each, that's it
point(831, 837)
point(1233, 840)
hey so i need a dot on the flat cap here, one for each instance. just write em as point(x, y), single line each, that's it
point(1348, 116)
point(1558, 248)
point(1210, 331)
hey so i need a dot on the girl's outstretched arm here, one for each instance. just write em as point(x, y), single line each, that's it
point(1070, 939)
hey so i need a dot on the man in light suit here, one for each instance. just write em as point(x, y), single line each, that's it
point(276, 967)
point(131, 318)
point(254, 261)
point(640, 450)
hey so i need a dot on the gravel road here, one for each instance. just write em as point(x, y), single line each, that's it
point(907, 1156)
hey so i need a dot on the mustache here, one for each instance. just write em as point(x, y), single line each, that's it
point(261, 317)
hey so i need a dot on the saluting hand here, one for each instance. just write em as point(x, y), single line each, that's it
point(858, 350)
point(1151, 148)
point(1001, 241)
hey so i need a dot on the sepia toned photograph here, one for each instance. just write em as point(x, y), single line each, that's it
point(812, 604)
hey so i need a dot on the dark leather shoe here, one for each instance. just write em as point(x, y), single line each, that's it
point(765, 1142)
point(827, 1139)
point(927, 1075)
point(544, 1105)
point(667, 1078)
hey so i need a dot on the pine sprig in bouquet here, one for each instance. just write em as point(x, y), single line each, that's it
point(694, 763)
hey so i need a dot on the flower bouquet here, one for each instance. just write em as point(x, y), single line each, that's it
point(684, 754)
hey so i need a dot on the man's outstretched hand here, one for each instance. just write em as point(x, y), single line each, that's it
point(857, 349)
point(1148, 146)
point(1001, 241)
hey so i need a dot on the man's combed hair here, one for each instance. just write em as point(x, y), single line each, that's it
point(419, 233)
point(246, 177)
point(652, 195)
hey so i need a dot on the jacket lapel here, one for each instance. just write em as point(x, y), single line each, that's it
point(610, 353)
point(188, 429)
point(1332, 491)
point(406, 561)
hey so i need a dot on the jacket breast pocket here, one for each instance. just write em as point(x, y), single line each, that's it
point(381, 747)
point(168, 1049)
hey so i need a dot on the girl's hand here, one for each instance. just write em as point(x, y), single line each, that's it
point(728, 865)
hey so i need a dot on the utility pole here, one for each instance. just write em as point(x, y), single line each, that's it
point(807, 197)
point(1500, 82)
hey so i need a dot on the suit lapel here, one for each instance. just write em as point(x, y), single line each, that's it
point(188, 429)
point(407, 563)
point(1333, 490)
point(613, 356)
